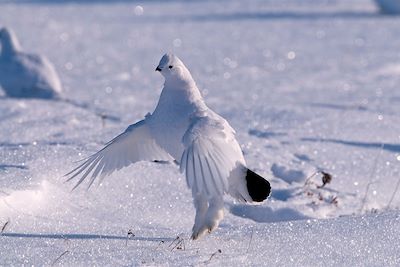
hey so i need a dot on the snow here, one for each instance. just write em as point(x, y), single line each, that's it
point(308, 86)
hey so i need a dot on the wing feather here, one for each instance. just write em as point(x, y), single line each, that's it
point(208, 176)
point(211, 153)
point(215, 175)
point(198, 171)
point(133, 145)
point(190, 170)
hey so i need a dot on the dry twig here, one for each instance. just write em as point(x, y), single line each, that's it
point(251, 239)
point(59, 257)
point(129, 235)
point(213, 255)
point(5, 226)
point(178, 243)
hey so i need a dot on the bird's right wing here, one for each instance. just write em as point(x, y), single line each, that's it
point(211, 156)
point(133, 145)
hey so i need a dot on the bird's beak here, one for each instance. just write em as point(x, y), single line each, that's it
point(158, 69)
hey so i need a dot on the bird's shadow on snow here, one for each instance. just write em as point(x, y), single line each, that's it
point(266, 214)
point(283, 194)
point(85, 237)
point(369, 145)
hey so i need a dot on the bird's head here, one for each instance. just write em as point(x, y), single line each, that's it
point(173, 70)
point(8, 40)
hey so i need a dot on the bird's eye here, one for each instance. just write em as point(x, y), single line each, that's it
point(170, 66)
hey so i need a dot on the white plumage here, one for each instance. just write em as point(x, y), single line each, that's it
point(23, 74)
point(184, 129)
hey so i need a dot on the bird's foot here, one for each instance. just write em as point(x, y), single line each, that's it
point(207, 227)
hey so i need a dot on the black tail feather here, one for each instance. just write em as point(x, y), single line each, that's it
point(259, 188)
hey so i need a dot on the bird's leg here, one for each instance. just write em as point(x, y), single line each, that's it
point(201, 205)
point(210, 220)
point(215, 213)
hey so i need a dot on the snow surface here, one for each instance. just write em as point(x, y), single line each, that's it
point(308, 86)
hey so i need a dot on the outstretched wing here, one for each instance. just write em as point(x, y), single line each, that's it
point(213, 160)
point(135, 144)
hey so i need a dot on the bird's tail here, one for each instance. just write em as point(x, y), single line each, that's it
point(259, 188)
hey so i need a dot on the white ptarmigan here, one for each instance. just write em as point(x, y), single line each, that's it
point(25, 75)
point(184, 129)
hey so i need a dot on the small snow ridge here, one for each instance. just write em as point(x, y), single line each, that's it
point(265, 134)
point(138, 10)
point(266, 214)
point(9, 166)
point(390, 69)
point(303, 157)
point(24, 200)
point(288, 175)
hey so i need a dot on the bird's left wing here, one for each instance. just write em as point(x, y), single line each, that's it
point(211, 155)
point(133, 145)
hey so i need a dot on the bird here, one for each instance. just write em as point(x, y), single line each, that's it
point(32, 76)
point(184, 130)
point(25, 75)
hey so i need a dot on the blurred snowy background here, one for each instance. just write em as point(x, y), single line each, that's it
point(308, 85)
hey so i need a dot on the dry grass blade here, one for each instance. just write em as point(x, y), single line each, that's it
point(371, 177)
point(5, 226)
point(59, 257)
point(173, 241)
point(178, 243)
point(394, 193)
point(364, 200)
point(251, 239)
point(219, 251)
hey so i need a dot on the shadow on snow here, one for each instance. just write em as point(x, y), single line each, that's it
point(375, 145)
point(84, 236)
point(265, 214)
point(8, 166)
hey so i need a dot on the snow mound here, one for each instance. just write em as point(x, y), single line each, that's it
point(26, 201)
point(286, 174)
